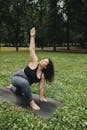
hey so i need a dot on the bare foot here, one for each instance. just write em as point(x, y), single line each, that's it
point(34, 106)
point(9, 87)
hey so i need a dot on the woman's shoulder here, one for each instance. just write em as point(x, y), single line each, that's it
point(33, 65)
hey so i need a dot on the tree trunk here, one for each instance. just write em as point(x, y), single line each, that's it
point(54, 47)
point(0, 46)
point(68, 31)
point(17, 29)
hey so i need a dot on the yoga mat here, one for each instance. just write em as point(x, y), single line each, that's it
point(46, 108)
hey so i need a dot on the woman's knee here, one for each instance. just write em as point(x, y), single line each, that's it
point(24, 82)
point(14, 80)
point(19, 81)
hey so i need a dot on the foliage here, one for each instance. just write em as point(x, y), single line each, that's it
point(69, 87)
point(57, 22)
point(76, 15)
point(17, 118)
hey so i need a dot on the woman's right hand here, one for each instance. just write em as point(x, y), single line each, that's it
point(43, 99)
point(33, 32)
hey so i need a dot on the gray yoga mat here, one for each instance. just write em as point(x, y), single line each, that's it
point(47, 108)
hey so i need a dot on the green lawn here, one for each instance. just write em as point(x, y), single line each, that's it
point(69, 87)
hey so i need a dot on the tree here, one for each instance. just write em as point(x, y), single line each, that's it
point(57, 22)
point(52, 22)
point(39, 12)
point(76, 24)
point(15, 21)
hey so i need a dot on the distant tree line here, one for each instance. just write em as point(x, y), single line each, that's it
point(58, 22)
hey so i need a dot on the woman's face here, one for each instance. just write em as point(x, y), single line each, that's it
point(44, 62)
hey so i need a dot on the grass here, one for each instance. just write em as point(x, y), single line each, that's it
point(69, 87)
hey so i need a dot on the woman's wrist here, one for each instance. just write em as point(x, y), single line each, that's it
point(32, 36)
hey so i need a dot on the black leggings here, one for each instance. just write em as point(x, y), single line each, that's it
point(20, 82)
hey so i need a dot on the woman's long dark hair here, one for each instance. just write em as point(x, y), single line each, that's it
point(49, 71)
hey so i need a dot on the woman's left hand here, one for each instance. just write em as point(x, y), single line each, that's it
point(43, 99)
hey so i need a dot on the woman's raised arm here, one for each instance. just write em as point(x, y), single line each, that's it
point(33, 56)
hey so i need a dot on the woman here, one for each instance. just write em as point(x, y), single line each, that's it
point(36, 71)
